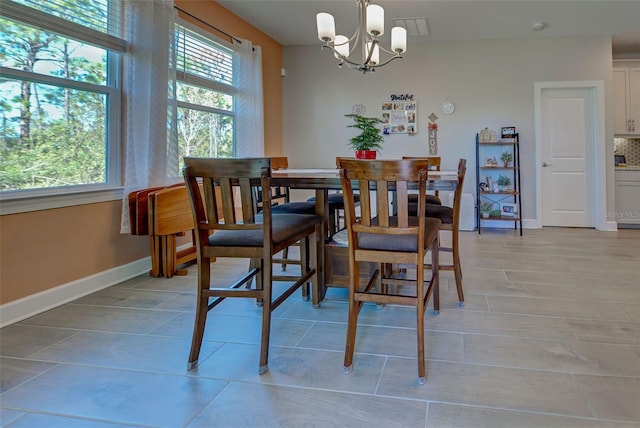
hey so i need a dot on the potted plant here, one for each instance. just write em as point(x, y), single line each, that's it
point(485, 209)
point(370, 139)
point(495, 213)
point(506, 158)
point(503, 182)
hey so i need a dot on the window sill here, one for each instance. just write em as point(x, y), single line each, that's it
point(28, 203)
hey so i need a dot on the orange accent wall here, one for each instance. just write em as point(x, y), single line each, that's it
point(44, 249)
point(216, 15)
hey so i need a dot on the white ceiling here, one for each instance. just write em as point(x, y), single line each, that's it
point(292, 22)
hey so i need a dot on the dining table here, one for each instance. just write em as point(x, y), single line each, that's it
point(322, 180)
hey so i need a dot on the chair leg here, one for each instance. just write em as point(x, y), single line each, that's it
point(285, 255)
point(435, 272)
point(420, 306)
point(259, 278)
point(457, 268)
point(304, 265)
point(352, 323)
point(332, 222)
point(317, 254)
point(204, 277)
point(266, 274)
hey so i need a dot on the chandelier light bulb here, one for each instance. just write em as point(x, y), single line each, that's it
point(341, 45)
point(399, 39)
point(326, 27)
point(375, 56)
point(375, 20)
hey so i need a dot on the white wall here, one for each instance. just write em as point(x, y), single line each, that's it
point(491, 83)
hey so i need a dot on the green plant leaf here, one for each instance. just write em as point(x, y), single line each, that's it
point(370, 137)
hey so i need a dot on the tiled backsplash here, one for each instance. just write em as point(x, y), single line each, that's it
point(630, 148)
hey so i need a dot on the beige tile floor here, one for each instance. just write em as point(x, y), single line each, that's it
point(549, 337)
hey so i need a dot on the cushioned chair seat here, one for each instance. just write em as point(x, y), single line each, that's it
point(392, 243)
point(336, 201)
point(431, 199)
point(282, 226)
point(294, 208)
point(370, 241)
point(441, 212)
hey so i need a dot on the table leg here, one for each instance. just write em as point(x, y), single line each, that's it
point(322, 209)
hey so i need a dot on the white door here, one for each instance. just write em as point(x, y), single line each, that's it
point(568, 179)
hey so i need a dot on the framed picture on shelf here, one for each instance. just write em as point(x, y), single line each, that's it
point(508, 132)
point(508, 209)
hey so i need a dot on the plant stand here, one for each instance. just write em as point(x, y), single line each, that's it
point(508, 201)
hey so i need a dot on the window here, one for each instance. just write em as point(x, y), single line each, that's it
point(205, 96)
point(60, 96)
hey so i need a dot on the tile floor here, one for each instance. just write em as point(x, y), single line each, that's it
point(549, 337)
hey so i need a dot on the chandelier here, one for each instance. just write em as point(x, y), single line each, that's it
point(366, 38)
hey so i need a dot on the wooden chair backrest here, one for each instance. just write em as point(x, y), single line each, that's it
point(279, 194)
point(383, 178)
point(457, 196)
point(434, 161)
point(237, 181)
point(339, 158)
point(279, 162)
point(434, 165)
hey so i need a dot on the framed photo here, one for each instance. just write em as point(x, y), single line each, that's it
point(508, 210)
point(508, 132)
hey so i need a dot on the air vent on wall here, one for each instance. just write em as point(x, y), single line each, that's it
point(414, 26)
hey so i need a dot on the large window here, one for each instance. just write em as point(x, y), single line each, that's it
point(205, 96)
point(59, 95)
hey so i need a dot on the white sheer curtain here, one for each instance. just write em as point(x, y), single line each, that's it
point(149, 71)
point(249, 106)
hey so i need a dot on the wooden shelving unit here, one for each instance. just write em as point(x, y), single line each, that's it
point(489, 169)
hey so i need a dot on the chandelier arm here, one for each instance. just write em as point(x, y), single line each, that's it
point(388, 61)
point(343, 58)
point(374, 43)
point(387, 50)
point(356, 37)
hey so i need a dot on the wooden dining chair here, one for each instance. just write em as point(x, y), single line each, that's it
point(281, 203)
point(336, 206)
point(450, 222)
point(248, 235)
point(379, 237)
point(434, 165)
point(450, 218)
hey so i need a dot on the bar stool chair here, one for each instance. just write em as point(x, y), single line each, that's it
point(384, 239)
point(434, 165)
point(252, 236)
point(281, 203)
point(336, 206)
point(450, 218)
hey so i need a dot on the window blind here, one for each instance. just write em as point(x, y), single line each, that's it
point(202, 57)
point(93, 21)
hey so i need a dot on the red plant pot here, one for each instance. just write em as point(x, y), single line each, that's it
point(365, 154)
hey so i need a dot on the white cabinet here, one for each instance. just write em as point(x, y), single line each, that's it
point(627, 197)
point(626, 101)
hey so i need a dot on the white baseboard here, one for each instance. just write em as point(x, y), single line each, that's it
point(26, 307)
point(500, 224)
point(610, 226)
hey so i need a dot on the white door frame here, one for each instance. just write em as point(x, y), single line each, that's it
point(597, 147)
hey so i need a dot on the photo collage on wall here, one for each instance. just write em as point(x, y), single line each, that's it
point(399, 116)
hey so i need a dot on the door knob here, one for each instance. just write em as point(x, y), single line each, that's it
point(545, 164)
